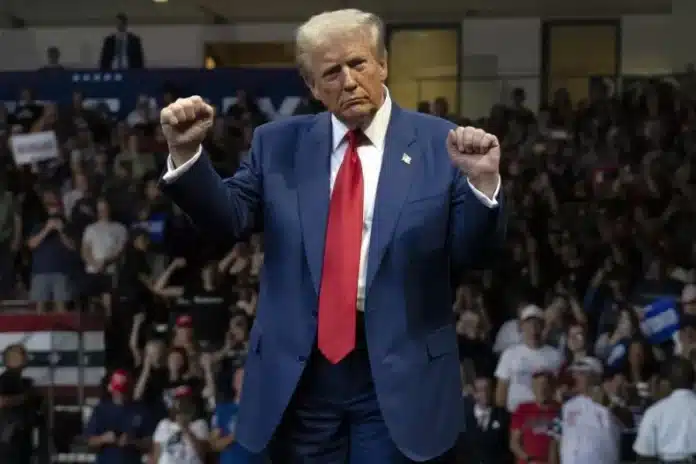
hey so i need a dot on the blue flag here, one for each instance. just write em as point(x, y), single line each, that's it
point(660, 320)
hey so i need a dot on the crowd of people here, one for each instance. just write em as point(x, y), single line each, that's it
point(602, 222)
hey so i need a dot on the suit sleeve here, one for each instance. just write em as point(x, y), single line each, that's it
point(476, 230)
point(225, 209)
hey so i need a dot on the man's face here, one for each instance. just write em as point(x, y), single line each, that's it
point(15, 359)
point(531, 328)
point(482, 391)
point(348, 78)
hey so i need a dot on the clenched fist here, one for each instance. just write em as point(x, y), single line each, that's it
point(185, 124)
point(477, 154)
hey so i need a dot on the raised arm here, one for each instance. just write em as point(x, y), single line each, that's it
point(228, 208)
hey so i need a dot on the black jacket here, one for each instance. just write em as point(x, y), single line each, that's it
point(484, 446)
point(134, 52)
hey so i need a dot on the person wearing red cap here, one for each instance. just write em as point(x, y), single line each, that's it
point(184, 336)
point(119, 429)
point(530, 424)
point(181, 438)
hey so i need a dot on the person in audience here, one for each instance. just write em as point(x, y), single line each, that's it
point(21, 410)
point(587, 431)
point(518, 363)
point(122, 50)
point(181, 438)
point(224, 421)
point(53, 260)
point(531, 422)
point(486, 432)
point(119, 429)
point(102, 245)
point(667, 431)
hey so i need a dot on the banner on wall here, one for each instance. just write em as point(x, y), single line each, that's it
point(278, 92)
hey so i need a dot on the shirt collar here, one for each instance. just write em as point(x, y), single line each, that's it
point(376, 132)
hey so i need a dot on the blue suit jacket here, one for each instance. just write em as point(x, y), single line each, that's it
point(427, 227)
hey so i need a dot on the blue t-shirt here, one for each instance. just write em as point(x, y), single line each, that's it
point(52, 256)
point(225, 420)
point(131, 419)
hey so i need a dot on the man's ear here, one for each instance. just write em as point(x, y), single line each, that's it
point(310, 85)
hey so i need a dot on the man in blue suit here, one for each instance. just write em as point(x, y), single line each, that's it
point(370, 212)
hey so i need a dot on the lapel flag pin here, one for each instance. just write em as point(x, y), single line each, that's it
point(406, 159)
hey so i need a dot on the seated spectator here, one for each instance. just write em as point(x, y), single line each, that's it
point(519, 362)
point(181, 438)
point(119, 429)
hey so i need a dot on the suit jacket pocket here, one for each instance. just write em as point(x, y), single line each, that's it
point(442, 341)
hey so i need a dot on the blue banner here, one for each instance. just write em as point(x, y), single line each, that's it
point(278, 92)
point(660, 320)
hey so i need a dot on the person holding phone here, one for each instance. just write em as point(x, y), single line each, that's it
point(180, 438)
point(119, 428)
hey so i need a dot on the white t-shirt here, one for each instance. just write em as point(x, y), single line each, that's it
point(517, 365)
point(105, 239)
point(175, 449)
point(584, 422)
point(668, 428)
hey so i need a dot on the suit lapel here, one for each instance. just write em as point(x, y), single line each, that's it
point(312, 172)
point(398, 167)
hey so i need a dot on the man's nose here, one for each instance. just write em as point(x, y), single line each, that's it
point(349, 81)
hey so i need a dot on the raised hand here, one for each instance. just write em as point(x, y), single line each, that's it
point(477, 154)
point(185, 124)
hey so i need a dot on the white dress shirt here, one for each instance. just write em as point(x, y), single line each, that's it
point(371, 160)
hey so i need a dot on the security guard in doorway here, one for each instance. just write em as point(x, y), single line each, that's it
point(667, 433)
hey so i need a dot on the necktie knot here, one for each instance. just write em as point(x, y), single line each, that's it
point(355, 138)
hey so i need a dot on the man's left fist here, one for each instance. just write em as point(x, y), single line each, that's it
point(477, 154)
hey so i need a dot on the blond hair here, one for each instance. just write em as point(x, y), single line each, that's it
point(338, 24)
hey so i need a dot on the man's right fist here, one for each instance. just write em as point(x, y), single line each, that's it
point(185, 124)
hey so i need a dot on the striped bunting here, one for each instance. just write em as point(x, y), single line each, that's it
point(53, 344)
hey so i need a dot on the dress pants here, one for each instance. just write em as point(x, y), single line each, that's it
point(334, 416)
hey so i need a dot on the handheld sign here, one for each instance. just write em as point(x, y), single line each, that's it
point(32, 148)
point(660, 320)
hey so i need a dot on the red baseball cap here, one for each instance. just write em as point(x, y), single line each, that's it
point(119, 381)
point(183, 391)
point(184, 321)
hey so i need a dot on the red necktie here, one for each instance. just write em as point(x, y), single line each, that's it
point(339, 278)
